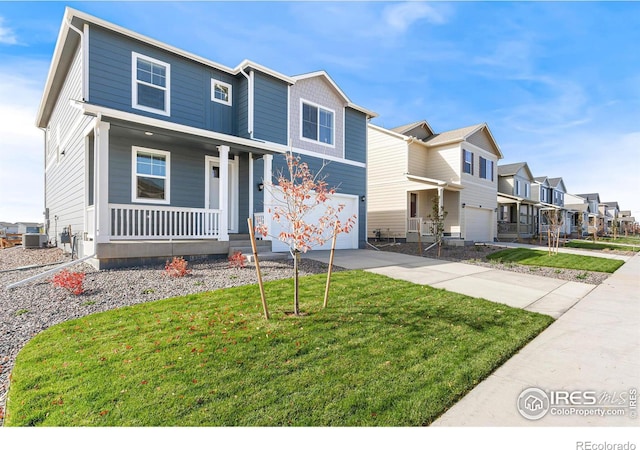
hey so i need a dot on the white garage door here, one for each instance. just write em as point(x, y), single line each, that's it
point(344, 241)
point(478, 225)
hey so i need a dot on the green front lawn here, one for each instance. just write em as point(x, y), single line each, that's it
point(633, 240)
point(601, 246)
point(385, 352)
point(561, 260)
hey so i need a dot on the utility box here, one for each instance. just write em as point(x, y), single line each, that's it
point(65, 237)
point(31, 240)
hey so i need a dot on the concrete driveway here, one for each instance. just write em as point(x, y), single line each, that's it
point(534, 293)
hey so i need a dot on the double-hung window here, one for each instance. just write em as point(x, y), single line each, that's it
point(317, 124)
point(150, 84)
point(486, 169)
point(467, 162)
point(150, 181)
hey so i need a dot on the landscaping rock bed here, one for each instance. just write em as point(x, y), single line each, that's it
point(31, 308)
point(476, 254)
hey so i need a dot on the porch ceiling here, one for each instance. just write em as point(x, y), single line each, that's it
point(417, 183)
point(171, 138)
point(510, 199)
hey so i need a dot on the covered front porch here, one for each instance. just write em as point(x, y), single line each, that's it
point(424, 201)
point(517, 217)
point(154, 193)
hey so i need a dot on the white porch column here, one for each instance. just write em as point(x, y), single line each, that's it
point(518, 204)
point(101, 193)
point(223, 150)
point(440, 199)
point(268, 191)
point(251, 183)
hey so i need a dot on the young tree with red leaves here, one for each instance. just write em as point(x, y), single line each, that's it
point(296, 194)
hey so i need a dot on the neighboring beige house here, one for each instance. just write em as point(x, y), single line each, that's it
point(409, 166)
point(517, 210)
point(627, 222)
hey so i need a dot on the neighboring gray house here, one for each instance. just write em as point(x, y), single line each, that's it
point(517, 210)
point(152, 151)
point(613, 216)
point(596, 223)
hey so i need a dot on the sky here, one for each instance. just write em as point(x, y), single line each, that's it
point(558, 83)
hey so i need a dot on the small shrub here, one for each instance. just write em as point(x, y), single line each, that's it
point(177, 267)
point(582, 276)
point(21, 312)
point(149, 291)
point(237, 260)
point(72, 281)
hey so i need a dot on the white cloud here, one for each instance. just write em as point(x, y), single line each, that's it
point(7, 35)
point(401, 16)
point(21, 146)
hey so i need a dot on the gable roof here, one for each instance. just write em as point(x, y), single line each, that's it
point(325, 75)
point(68, 37)
point(506, 170)
point(462, 134)
point(422, 124)
point(556, 182)
point(591, 197)
point(612, 205)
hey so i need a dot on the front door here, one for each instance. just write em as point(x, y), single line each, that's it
point(213, 189)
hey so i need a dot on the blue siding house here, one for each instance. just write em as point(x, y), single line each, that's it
point(152, 151)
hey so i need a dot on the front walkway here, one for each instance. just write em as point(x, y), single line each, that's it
point(549, 296)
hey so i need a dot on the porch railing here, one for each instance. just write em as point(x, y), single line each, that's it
point(514, 228)
point(420, 225)
point(163, 222)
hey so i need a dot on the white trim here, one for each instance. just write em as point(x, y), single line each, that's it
point(85, 63)
point(229, 101)
point(233, 195)
point(333, 123)
point(251, 112)
point(101, 193)
point(251, 182)
point(328, 157)
point(134, 84)
point(166, 125)
point(166, 177)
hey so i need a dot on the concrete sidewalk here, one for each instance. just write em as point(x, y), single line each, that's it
point(574, 251)
point(593, 347)
point(534, 293)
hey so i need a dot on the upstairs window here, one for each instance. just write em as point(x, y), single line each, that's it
point(150, 181)
point(221, 92)
point(317, 124)
point(467, 162)
point(150, 84)
point(486, 169)
point(517, 190)
point(526, 190)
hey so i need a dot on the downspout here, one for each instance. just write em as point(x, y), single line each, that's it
point(85, 53)
point(250, 100)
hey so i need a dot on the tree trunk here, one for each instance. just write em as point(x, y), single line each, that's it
point(296, 304)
